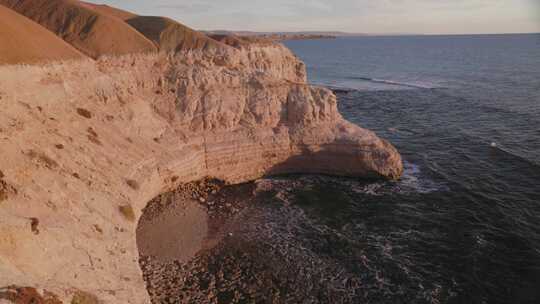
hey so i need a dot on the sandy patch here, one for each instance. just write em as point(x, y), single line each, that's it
point(174, 233)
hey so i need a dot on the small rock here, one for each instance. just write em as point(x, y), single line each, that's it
point(84, 113)
point(34, 223)
point(133, 184)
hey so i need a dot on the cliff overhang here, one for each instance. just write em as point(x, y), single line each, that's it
point(86, 144)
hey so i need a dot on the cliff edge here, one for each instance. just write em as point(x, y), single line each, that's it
point(85, 145)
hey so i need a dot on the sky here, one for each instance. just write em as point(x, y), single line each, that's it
point(357, 16)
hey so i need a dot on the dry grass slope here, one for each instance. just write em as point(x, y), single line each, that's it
point(91, 31)
point(98, 30)
point(239, 41)
point(24, 41)
point(171, 36)
point(230, 40)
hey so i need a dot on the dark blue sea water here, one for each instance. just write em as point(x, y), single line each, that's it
point(463, 225)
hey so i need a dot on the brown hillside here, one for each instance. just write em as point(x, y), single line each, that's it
point(169, 35)
point(109, 10)
point(91, 31)
point(24, 41)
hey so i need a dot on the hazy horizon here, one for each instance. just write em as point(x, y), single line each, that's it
point(384, 17)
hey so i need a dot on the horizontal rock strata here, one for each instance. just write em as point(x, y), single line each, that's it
point(86, 144)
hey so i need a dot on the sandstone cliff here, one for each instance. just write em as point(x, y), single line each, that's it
point(86, 144)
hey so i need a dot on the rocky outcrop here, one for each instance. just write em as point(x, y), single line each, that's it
point(86, 144)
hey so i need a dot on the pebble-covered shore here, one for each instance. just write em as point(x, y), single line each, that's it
point(258, 250)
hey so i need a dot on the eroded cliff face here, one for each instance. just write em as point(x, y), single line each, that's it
point(85, 145)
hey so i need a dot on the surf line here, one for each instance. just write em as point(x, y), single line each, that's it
point(390, 82)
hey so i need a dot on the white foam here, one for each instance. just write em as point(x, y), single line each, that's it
point(413, 181)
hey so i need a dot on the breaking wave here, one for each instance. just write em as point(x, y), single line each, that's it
point(396, 83)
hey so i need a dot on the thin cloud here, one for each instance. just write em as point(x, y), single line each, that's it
point(194, 8)
point(375, 16)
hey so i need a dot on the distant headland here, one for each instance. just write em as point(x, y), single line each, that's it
point(300, 35)
point(280, 36)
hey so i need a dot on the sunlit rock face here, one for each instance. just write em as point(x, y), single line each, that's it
point(86, 144)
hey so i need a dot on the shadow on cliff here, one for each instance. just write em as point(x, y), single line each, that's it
point(336, 159)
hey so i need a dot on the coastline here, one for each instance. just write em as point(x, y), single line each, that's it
point(88, 143)
point(122, 142)
point(146, 162)
point(253, 251)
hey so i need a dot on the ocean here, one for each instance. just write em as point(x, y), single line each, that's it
point(463, 225)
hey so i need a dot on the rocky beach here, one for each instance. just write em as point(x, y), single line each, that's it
point(258, 249)
point(143, 161)
point(119, 109)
